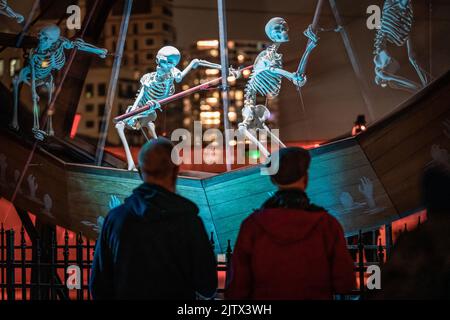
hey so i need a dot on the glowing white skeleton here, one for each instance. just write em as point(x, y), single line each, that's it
point(7, 11)
point(155, 86)
point(396, 24)
point(266, 79)
point(49, 56)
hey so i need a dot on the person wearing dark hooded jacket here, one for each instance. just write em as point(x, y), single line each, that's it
point(154, 246)
point(290, 249)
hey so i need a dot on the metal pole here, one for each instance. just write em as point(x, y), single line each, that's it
point(224, 62)
point(113, 82)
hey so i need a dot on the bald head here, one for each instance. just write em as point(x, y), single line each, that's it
point(156, 165)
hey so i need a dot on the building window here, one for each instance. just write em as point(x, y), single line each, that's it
point(167, 12)
point(90, 124)
point(135, 28)
point(14, 65)
point(166, 27)
point(136, 44)
point(149, 25)
point(150, 56)
point(101, 89)
point(101, 109)
point(166, 42)
point(149, 41)
point(136, 59)
point(2, 67)
point(89, 107)
point(113, 30)
point(89, 90)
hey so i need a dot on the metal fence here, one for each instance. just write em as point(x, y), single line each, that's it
point(30, 271)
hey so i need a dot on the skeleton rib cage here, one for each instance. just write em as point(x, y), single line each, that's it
point(396, 24)
point(266, 82)
point(153, 88)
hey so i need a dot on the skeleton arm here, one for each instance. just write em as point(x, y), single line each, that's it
point(194, 64)
point(296, 78)
point(81, 45)
point(7, 11)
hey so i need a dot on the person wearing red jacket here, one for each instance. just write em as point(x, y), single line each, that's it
point(290, 249)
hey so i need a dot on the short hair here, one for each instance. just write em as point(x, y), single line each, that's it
point(293, 164)
point(155, 158)
point(436, 189)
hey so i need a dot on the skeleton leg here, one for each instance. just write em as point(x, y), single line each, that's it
point(243, 130)
point(248, 115)
point(274, 137)
point(412, 60)
point(151, 129)
point(16, 91)
point(50, 86)
point(120, 126)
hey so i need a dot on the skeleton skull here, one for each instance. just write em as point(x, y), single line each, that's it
point(277, 30)
point(168, 57)
point(48, 36)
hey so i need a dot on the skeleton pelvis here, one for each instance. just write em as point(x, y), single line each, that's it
point(139, 121)
point(257, 115)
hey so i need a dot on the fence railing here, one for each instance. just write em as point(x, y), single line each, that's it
point(34, 272)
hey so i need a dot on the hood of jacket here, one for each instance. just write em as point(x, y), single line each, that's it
point(155, 203)
point(289, 217)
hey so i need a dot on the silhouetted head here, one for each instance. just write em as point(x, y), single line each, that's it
point(156, 165)
point(293, 165)
point(277, 30)
point(436, 191)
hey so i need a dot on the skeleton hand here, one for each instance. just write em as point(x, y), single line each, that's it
point(366, 189)
point(311, 35)
point(114, 202)
point(102, 54)
point(19, 18)
point(439, 155)
point(32, 185)
point(298, 80)
point(236, 73)
point(154, 105)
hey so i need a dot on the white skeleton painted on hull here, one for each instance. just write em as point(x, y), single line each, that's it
point(49, 56)
point(7, 11)
point(266, 77)
point(396, 24)
point(155, 86)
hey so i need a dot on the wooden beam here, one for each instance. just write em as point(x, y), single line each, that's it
point(10, 39)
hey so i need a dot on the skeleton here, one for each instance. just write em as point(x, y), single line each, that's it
point(7, 11)
point(155, 86)
point(396, 24)
point(266, 77)
point(49, 56)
